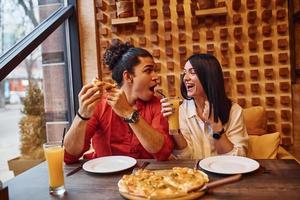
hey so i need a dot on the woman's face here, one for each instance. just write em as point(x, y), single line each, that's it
point(191, 82)
point(144, 79)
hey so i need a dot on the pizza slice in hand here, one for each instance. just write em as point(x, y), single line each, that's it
point(105, 86)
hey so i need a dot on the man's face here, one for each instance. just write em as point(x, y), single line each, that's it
point(144, 79)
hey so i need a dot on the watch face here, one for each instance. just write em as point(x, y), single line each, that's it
point(133, 118)
point(216, 136)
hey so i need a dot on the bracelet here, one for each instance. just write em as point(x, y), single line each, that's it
point(81, 117)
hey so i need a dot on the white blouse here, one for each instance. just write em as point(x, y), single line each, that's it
point(199, 134)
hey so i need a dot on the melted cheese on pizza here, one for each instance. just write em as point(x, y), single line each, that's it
point(162, 184)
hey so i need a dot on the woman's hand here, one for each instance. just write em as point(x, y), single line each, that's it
point(166, 107)
point(117, 99)
point(216, 126)
point(205, 113)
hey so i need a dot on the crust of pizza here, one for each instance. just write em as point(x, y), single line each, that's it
point(177, 183)
point(189, 196)
point(102, 84)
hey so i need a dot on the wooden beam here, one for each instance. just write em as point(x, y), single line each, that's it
point(212, 11)
point(297, 73)
point(89, 40)
point(292, 41)
point(128, 20)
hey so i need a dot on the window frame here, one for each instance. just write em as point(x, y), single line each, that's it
point(17, 53)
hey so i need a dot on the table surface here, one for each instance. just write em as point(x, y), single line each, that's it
point(275, 179)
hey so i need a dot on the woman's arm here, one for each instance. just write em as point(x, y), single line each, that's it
point(237, 132)
point(234, 140)
point(223, 144)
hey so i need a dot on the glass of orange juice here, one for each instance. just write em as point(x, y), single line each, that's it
point(54, 153)
point(173, 119)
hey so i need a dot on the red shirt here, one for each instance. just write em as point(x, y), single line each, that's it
point(110, 135)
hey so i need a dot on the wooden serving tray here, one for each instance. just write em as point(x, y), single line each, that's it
point(189, 196)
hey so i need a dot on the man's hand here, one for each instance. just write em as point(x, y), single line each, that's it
point(117, 99)
point(88, 97)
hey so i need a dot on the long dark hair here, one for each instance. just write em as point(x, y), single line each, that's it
point(209, 72)
point(121, 56)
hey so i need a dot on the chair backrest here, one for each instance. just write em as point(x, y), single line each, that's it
point(261, 144)
point(255, 120)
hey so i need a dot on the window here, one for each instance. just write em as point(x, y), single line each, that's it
point(44, 63)
point(18, 18)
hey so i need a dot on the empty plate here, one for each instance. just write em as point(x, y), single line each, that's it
point(109, 164)
point(229, 164)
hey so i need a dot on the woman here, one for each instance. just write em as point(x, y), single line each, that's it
point(210, 123)
point(121, 121)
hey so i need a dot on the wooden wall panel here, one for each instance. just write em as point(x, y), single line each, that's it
point(250, 41)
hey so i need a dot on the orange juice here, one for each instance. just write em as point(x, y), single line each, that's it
point(174, 118)
point(54, 154)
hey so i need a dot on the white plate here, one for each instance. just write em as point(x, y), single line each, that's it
point(229, 164)
point(109, 164)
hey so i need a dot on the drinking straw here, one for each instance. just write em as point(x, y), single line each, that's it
point(63, 137)
point(160, 92)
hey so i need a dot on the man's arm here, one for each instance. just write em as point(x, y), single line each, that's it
point(74, 142)
point(153, 140)
point(74, 139)
point(159, 124)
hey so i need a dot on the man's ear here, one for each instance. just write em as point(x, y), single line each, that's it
point(127, 77)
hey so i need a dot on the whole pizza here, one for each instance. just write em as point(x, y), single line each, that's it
point(176, 183)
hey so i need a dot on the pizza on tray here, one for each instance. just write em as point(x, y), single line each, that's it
point(176, 183)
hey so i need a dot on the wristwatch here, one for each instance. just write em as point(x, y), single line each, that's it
point(217, 135)
point(133, 118)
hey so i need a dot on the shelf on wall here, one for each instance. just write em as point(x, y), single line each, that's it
point(211, 11)
point(127, 20)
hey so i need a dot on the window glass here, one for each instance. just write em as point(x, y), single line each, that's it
point(34, 107)
point(19, 17)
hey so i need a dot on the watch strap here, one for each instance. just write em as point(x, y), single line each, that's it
point(133, 118)
point(217, 135)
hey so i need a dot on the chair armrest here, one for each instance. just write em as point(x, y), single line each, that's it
point(284, 154)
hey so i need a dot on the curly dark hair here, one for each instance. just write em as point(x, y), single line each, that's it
point(121, 56)
point(209, 72)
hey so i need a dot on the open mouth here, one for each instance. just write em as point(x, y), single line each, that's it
point(189, 86)
point(152, 88)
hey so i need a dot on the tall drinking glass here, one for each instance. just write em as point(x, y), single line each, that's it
point(54, 154)
point(173, 119)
